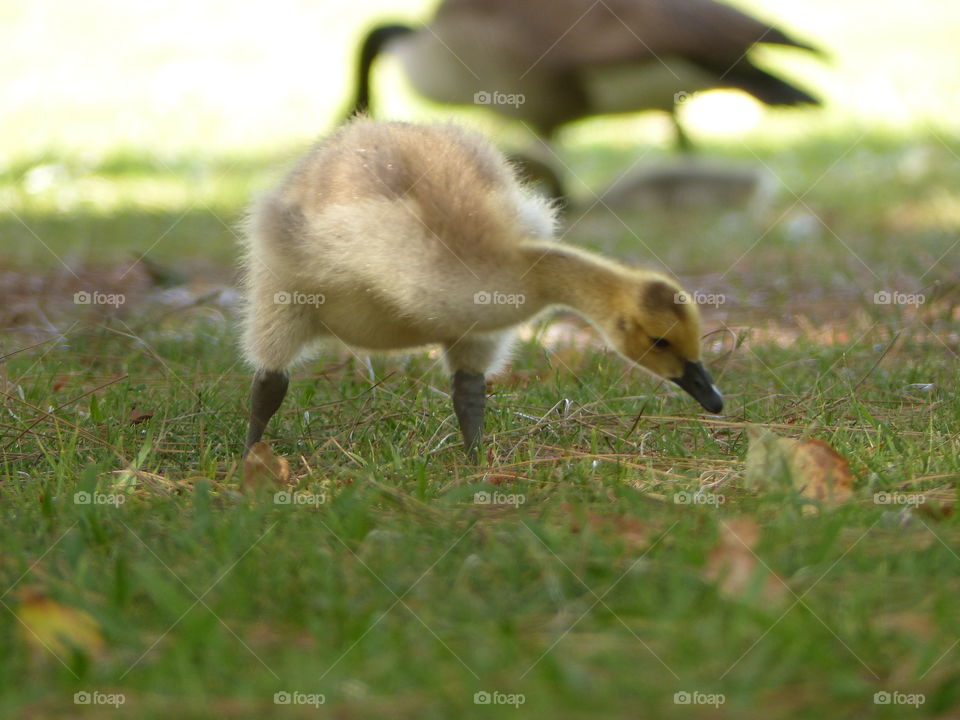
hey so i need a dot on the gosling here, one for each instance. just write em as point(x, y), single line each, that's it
point(392, 236)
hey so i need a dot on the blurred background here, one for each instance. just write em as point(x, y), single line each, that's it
point(138, 132)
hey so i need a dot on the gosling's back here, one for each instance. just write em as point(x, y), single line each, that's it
point(453, 181)
point(397, 226)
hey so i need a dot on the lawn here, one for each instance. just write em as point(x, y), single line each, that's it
point(607, 558)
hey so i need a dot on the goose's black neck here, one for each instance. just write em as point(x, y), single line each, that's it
point(373, 44)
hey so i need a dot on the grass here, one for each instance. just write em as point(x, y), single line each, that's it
point(590, 589)
point(399, 595)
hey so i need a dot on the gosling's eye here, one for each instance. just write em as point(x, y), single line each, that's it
point(661, 343)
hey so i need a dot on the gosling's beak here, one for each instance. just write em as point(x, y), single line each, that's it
point(697, 381)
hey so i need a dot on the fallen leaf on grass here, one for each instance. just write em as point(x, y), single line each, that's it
point(734, 567)
point(494, 478)
point(810, 466)
point(138, 416)
point(261, 467)
point(48, 626)
point(937, 505)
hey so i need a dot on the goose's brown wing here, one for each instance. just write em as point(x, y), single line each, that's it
point(573, 33)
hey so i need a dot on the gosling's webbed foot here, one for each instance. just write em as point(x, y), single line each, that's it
point(469, 398)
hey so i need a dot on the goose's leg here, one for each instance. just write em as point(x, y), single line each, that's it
point(469, 398)
point(268, 391)
point(684, 144)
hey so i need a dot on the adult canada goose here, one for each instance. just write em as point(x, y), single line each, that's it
point(548, 62)
point(388, 236)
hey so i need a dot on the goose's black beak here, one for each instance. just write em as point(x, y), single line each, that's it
point(697, 381)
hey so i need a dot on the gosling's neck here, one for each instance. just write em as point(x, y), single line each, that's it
point(570, 277)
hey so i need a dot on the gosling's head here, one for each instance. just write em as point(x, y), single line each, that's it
point(656, 325)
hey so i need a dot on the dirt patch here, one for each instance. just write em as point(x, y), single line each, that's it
point(34, 305)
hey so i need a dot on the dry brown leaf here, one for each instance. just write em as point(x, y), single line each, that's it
point(138, 416)
point(734, 567)
point(261, 467)
point(935, 509)
point(48, 626)
point(809, 465)
point(825, 472)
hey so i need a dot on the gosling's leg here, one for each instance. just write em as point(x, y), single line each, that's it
point(469, 397)
point(268, 391)
point(469, 359)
